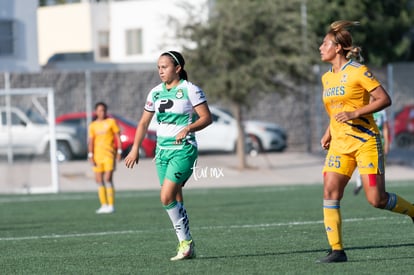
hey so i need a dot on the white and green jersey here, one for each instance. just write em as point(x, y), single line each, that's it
point(380, 119)
point(174, 110)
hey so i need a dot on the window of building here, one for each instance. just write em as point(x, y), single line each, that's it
point(134, 42)
point(6, 37)
point(103, 44)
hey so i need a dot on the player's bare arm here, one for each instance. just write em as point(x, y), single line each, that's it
point(326, 139)
point(119, 146)
point(91, 151)
point(203, 121)
point(380, 100)
point(133, 157)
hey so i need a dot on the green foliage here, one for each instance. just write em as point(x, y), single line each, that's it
point(384, 34)
point(258, 46)
point(247, 46)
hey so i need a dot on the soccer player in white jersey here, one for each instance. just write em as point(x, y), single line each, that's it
point(175, 102)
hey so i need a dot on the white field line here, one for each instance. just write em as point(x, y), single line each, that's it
point(218, 227)
point(147, 193)
point(69, 197)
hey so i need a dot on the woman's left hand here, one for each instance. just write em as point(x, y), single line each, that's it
point(345, 116)
point(182, 135)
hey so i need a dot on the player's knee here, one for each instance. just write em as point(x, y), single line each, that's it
point(165, 202)
point(166, 199)
point(333, 193)
point(109, 184)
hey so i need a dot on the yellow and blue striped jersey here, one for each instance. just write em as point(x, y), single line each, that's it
point(347, 91)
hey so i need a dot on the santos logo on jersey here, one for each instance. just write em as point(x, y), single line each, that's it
point(179, 94)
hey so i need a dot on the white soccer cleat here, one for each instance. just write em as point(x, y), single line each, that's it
point(105, 209)
point(185, 250)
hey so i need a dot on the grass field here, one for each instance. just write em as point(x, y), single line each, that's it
point(261, 230)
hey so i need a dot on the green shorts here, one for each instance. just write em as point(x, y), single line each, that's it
point(369, 159)
point(176, 165)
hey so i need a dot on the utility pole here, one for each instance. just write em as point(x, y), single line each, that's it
point(307, 97)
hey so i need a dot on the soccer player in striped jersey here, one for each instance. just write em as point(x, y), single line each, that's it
point(352, 137)
point(175, 102)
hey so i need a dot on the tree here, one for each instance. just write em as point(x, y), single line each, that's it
point(386, 31)
point(246, 48)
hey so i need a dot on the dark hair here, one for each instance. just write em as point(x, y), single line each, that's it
point(178, 60)
point(103, 104)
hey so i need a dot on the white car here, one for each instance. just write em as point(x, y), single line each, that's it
point(221, 135)
point(29, 134)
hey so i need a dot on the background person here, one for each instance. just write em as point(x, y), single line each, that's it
point(104, 147)
point(174, 102)
point(352, 138)
point(381, 120)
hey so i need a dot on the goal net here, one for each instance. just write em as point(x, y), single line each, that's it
point(28, 159)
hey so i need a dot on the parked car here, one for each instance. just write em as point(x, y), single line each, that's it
point(404, 127)
point(30, 136)
point(128, 128)
point(221, 135)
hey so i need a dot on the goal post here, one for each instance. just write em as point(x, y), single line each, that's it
point(29, 177)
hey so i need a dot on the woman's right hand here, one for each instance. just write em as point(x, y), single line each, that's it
point(326, 140)
point(132, 158)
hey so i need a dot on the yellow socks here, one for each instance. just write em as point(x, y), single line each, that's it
point(333, 220)
point(333, 223)
point(106, 195)
point(399, 205)
point(110, 195)
point(102, 195)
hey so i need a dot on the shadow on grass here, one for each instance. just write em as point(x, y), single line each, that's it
point(317, 251)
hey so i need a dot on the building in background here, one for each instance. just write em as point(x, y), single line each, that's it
point(18, 36)
point(134, 31)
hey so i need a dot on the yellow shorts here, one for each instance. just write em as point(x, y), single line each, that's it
point(369, 159)
point(104, 164)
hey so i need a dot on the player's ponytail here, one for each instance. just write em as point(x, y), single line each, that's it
point(355, 54)
point(342, 36)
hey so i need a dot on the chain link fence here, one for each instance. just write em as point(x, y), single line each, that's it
point(303, 116)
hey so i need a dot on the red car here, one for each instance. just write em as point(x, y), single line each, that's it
point(404, 127)
point(127, 127)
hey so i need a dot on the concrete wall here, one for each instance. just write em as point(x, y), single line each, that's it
point(74, 27)
point(23, 14)
point(66, 28)
point(303, 116)
point(152, 16)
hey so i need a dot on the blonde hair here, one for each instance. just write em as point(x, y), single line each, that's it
point(342, 36)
